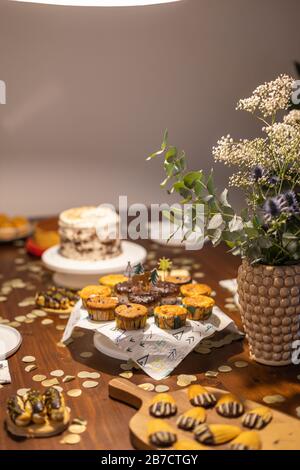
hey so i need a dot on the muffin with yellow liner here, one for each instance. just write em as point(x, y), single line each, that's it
point(111, 280)
point(7, 230)
point(170, 317)
point(192, 290)
point(88, 291)
point(21, 224)
point(179, 280)
point(199, 308)
point(101, 308)
point(131, 316)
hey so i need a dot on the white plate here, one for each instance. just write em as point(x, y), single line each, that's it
point(10, 341)
point(58, 263)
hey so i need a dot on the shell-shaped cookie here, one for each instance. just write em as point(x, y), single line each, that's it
point(188, 444)
point(192, 418)
point(160, 433)
point(229, 406)
point(199, 396)
point(248, 440)
point(257, 418)
point(163, 405)
point(216, 434)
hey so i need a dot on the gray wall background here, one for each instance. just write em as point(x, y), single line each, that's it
point(90, 91)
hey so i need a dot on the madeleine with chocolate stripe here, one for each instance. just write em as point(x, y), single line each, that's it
point(163, 406)
point(229, 406)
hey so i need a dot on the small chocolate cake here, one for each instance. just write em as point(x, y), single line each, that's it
point(168, 291)
point(149, 300)
point(122, 290)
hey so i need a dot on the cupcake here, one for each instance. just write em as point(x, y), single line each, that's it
point(122, 290)
point(87, 291)
point(199, 308)
point(170, 317)
point(150, 300)
point(192, 290)
point(101, 308)
point(168, 292)
point(131, 316)
point(179, 280)
point(112, 279)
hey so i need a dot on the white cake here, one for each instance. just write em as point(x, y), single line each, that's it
point(89, 233)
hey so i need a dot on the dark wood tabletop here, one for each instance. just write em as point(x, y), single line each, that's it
point(107, 419)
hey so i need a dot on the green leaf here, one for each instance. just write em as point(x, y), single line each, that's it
point(171, 155)
point(236, 224)
point(190, 179)
point(162, 148)
point(210, 183)
point(223, 198)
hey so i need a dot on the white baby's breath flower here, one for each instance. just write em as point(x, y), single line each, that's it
point(269, 97)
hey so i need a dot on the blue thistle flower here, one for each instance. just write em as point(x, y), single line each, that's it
point(273, 179)
point(257, 173)
point(274, 207)
point(292, 202)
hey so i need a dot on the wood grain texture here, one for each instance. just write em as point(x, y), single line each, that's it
point(108, 419)
point(281, 434)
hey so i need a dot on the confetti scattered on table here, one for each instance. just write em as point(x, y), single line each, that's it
point(224, 369)
point(39, 378)
point(28, 359)
point(50, 382)
point(70, 439)
point(211, 373)
point(22, 391)
point(126, 374)
point(39, 313)
point(58, 388)
point(241, 364)
point(26, 302)
point(86, 354)
point(47, 321)
point(162, 388)
point(57, 373)
point(30, 368)
point(20, 318)
point(271, 399)
point(148, 387)
point(74, 392)
point(68, 378)
point(76, 428)
point(90, 384)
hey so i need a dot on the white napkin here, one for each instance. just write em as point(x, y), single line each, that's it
point(4, 373)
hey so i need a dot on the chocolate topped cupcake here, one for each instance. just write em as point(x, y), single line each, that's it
point(148, 299)
point(122, 290)
point(168, 292)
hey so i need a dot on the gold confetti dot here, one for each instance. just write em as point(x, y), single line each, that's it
point(47, 321)
point(224, 369)
point(60, 345)
point(70, 439)
point(57, 373)
point(3, 299)
point(22, 391)
point(126, 374)
point(31, 315)
point(14, 324)
point(58, 388)
point(211, 373)
point(20, 318)
point(148, 387)
point(39, 378)
point(39, 313)
point(127, 366)
point(90, 384)
point(76, 428)
point(68, 378)
point(60, 327)
point(241, 364)
point(270, 399)
point(162, 388)
point(50, 382)
point(30, 368)
point(26, 302)
point(63, 317)
point(28, 359)
point(86, 354)
point(74, 392)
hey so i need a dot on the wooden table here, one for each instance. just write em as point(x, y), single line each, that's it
point(107, 419)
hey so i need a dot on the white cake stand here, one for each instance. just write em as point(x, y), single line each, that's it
point(105, 346)
point(77, 274)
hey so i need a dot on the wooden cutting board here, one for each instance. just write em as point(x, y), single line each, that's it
point(283, 432)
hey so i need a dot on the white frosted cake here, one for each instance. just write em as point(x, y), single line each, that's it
point(89, 233)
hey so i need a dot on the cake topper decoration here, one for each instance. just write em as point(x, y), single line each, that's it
point(164, 265)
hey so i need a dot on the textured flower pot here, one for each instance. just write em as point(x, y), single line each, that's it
point(269, 298)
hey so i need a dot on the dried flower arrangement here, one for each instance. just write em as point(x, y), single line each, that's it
point(267, 231)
